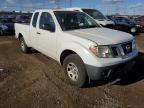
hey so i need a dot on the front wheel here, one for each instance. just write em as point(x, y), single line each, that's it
point(75, 70)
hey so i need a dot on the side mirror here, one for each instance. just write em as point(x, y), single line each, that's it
point(48, 27)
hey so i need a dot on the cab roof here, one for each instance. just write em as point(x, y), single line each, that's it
point(51, 10)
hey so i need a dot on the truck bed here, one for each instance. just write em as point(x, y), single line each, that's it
point(24, 30)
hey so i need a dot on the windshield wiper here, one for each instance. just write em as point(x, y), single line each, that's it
point(88, 26)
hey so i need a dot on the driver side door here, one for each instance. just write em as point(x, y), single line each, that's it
point(47, 35)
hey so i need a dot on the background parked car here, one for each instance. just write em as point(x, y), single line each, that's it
point(140, 21)
point(23, 18)
point(0, 31)
point(3, 29)
point(97, 15)
point(7, 25)
point(125, 24)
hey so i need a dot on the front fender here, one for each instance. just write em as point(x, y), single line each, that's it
point(86, 55)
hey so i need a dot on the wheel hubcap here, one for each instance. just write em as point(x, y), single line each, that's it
point(72, 71)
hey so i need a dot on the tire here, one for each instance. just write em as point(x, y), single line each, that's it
point(23, 45)
point(75, 70)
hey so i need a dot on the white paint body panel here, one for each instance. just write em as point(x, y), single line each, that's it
point(103, 36)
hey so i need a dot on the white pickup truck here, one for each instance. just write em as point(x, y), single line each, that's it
point(79, 44)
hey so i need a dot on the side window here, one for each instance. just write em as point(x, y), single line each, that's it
point(34, 22)
point(118, 20)
point(46, 22)
point(125, 21)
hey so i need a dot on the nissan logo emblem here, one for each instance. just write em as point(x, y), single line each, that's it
point(127, 47)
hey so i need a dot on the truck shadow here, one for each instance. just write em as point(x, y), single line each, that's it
point(33, 51)
point(135, 75)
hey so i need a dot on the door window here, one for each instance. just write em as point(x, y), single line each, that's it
point(46, 22)
point(34, 22)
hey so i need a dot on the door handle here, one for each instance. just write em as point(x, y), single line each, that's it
point(38, 33)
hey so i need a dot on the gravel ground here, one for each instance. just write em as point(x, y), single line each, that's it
point(35, 81)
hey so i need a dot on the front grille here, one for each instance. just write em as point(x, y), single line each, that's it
point(115, 52)
point(122, 49)
point(127, 48)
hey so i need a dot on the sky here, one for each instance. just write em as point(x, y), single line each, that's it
point(132, 7)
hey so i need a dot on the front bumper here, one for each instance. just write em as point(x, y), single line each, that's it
point(99, 73)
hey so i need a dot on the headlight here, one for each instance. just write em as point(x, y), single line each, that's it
point(133, 30)
point(101, 51)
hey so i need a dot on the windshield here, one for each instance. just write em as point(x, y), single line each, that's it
point(70, 20)
point(94, 13)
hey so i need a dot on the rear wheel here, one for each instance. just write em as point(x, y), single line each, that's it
point(23, 45)
point(75, 70)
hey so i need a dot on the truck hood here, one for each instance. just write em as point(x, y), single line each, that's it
point(102, 36)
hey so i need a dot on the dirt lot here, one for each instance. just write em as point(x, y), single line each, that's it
point(35, 81)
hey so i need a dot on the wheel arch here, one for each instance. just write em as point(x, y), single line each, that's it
point(73, 48)
point(20, 36)
point(64, 54)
